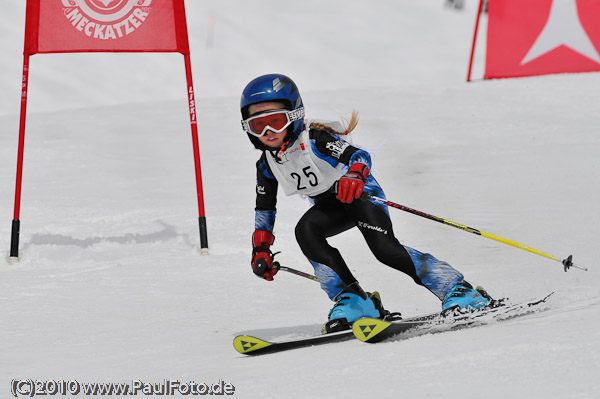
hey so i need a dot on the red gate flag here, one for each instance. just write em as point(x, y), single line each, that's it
point(65, 26)
point(68, 26)
point(538, 37)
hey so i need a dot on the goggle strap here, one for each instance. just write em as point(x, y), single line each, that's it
point(294, 115)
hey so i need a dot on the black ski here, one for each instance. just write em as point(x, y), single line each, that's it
point(249, 345)
point(374, 330)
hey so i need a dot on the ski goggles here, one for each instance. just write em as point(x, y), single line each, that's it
point(276, 120)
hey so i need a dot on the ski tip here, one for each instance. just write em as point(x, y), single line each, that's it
point(547, 297)
point(366, 329)
point(247, 345)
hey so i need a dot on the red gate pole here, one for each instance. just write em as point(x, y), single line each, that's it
point(474, 39)
point(16, 223)
point(194, 126)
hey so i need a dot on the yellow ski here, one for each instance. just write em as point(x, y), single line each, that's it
point(246, 344)
point(366, 328)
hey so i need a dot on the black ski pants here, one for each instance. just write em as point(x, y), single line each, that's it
point(329, 217)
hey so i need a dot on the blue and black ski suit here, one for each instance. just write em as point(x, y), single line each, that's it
point(310, 166)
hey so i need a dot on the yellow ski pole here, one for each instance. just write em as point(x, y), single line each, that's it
point(567, 263)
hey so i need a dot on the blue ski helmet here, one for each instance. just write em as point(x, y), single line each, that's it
point(273, 87)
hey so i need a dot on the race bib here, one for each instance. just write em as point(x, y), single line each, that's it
point(301, 171)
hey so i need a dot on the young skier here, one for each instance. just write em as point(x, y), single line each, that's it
point(311, 159)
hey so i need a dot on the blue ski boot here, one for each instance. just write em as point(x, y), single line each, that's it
point(464, 296)
point(350, 305)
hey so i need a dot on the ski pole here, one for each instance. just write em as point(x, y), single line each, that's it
point(567, 263)
point(261, 267)
point(278, 266)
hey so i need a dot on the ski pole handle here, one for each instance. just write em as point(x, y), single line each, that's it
point(260, 266)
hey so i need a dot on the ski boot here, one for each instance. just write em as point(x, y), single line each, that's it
point(464, 298)
point(352, 304)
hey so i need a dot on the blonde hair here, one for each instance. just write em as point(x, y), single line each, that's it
point(350, 125)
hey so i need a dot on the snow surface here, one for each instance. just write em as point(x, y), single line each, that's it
point(111, 285)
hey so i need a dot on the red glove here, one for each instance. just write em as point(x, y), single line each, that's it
point(262, 257)
point(351, 185)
